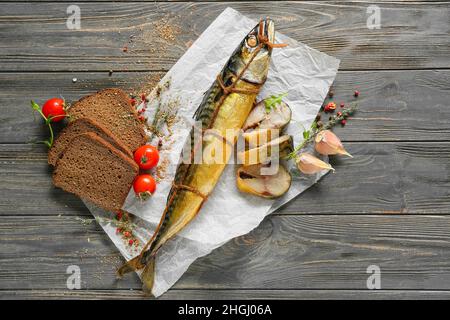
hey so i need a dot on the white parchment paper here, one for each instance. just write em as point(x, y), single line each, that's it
point(304, 73)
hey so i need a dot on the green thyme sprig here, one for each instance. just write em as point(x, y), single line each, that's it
point(272, 101)
point(309, 135)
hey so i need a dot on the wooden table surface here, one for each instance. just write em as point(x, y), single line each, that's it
point(388, 206)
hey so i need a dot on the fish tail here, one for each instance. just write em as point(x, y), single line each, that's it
point(148, 276)
point(132, 265)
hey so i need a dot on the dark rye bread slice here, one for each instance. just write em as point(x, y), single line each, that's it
point(112, 109)
point(94, 170)
point(76, 127)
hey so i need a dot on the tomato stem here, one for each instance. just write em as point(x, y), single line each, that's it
point(36, 107)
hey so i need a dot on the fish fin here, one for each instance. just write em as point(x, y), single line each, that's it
point(132, 265)
point(148, 276)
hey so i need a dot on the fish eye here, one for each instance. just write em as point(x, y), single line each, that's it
point(251, 41)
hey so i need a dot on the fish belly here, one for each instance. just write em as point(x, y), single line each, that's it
point(217, 147)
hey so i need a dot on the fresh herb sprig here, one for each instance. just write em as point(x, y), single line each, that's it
point(272, 101)
point(309, 135)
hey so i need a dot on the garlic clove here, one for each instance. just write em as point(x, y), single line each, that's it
point(327, 143)
point(308, 164)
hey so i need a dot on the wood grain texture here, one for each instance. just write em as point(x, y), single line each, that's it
point(393, 105)
point(412, 36)
point(382, 178)
point(211, 294)
point(284, 252)
point(388, 206)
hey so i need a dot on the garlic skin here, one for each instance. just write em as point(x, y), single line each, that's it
point(327, 143)
point(308, 164)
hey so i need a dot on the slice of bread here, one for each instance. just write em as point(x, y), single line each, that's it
point(94, 170)
point(76, 127)
point(112, 109)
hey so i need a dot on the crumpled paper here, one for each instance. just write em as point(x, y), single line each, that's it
point(304, 73)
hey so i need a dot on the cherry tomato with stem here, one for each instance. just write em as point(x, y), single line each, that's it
point(144, 186)
point(54, 109)
point(146, 157)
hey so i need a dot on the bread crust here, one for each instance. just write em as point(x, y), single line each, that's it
point(82, 182)
point(60, 143)
point(131, 133)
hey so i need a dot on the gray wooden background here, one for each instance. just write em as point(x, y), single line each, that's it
point(389, 206)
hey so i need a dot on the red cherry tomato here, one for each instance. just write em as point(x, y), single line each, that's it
point(54, 108)
point(144, 186)
point(146, 157)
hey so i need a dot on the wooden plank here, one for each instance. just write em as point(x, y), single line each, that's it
point(284, 252)
point(289, 1)
point(413, 36)
point(205, 294)
point(382, 178)
point(393, 105)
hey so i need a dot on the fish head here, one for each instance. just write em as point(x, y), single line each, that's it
point(255, 50)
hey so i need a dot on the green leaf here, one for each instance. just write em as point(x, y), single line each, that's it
point(306, 134)
point(272, 101)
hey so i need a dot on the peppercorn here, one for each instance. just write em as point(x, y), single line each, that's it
point(339, 114)
point(356, 93)
point(119, 215)
point(330, 107)
point(342, 105)
point(130, 242)
point(127, 234)
point(343, 122)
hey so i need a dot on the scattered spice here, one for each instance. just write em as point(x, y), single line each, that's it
point(318, 126)
point(166, 30)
